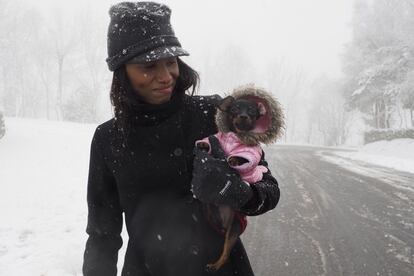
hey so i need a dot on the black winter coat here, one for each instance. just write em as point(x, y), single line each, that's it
point(148, 180)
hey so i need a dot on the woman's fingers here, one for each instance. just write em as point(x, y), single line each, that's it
point(216, 149)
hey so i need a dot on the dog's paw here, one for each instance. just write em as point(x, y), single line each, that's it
point(203, 146)
point(235, 161)
point(211, 268)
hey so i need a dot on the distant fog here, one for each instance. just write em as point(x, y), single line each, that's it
point(340, 68)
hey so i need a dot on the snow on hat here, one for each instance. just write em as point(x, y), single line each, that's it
point(140, 32)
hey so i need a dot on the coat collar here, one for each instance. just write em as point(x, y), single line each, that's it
point(146, 114)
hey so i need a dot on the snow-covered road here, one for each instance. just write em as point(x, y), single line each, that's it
point(336, 217)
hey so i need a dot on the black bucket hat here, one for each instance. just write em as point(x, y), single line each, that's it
point(140, 32)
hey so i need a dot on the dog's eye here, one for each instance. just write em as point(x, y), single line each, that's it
point(234, 110)
point(252, 112)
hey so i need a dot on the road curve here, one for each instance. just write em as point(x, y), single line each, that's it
point(335, 217)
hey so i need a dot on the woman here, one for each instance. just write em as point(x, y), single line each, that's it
point(141, 161)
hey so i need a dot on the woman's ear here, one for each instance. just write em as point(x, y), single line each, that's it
point(225, 103)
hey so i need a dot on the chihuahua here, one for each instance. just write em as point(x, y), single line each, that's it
point(241, 116)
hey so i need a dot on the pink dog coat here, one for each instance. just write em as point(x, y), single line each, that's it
point(250, 171)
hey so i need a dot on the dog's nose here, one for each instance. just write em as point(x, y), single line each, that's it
point(243, 117)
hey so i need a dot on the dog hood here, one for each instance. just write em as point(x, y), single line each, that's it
point(268, 128)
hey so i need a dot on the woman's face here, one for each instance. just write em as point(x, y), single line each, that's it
point(154, 81)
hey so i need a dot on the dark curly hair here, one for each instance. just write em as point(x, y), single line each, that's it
point(121, 88)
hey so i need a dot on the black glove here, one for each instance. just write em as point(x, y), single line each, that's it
point(214, 181)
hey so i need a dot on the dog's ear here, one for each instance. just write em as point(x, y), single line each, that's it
point(262, 109)
point(225, 103)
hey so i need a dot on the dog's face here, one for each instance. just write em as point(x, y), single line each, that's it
point(242, 114)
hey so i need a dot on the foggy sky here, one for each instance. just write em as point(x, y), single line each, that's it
point(309, 34)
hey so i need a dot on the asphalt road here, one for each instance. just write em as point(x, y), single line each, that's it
point(335, 217)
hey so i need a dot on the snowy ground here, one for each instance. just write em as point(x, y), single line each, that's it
point(397, 154)
point(43, 175)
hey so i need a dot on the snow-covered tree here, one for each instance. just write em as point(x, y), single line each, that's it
point(378, 61)
point(407, 95)
point(327, 115)
point(80, 107)
point(380, 84)
point(288, 83)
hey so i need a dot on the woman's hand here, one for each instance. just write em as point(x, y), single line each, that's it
point(214, 181)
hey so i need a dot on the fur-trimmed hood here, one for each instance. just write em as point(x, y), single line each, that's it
point(269, 127)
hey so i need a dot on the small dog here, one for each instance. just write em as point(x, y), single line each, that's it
point(241, 116)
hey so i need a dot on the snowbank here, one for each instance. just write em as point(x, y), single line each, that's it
point(397, 154)
point(43, 211)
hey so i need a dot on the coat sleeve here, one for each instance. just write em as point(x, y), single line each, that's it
point(104, 217)
point(266, 193)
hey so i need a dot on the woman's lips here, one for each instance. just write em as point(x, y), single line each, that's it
point(167, 90)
